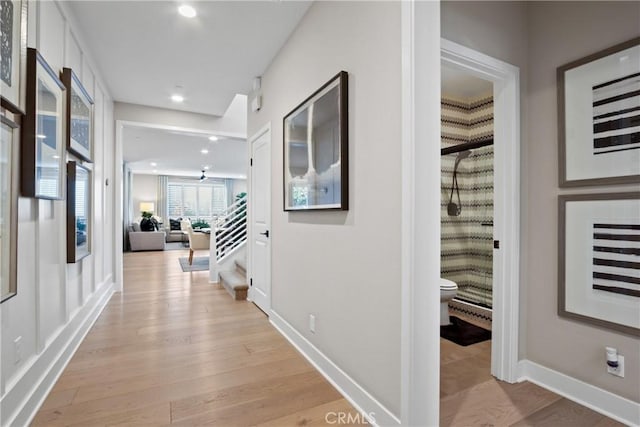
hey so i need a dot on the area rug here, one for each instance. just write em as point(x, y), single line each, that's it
point(199, 264)
point(464, 333)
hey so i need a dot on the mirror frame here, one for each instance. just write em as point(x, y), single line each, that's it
point(342, 115)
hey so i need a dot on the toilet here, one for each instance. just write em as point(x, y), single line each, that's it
point(448, 290)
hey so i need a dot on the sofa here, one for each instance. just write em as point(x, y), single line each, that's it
point(145, 240)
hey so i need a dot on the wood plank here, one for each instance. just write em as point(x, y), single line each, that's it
point(462, 374)
point(159, 414)
point(270, 406)
point(93, 409)
point(565, 413)
point(493, 403)
point(331, 413)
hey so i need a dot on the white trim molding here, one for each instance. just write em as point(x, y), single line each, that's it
point(366, 404)
point(420, 216)
point(611, 405)
point(506, 260)
point(26, 394)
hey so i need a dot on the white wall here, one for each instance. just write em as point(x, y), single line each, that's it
point(56, 301)
point(144, 189)
point(344, 267)
point(239, 186)
point(560, 33)
point(538, 37)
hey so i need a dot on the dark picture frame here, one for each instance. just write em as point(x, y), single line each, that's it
point(42, 166)
point(598, 270)
point(598, 114)
point(79, 230)
point(316, 157)
point(78, 117)
point(13, 33)
point(9, 153)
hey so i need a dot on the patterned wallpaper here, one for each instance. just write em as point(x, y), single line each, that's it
point(467, 239)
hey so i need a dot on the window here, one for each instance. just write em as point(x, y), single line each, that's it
point(196, 200)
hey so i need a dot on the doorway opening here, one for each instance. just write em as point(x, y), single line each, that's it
point(487, 257)
point(467, 218)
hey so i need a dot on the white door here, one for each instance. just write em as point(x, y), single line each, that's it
point(260, 220)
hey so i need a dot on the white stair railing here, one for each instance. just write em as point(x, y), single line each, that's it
point(231, 228)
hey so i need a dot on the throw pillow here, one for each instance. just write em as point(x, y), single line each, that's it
point(174, 224)
point(148, 224)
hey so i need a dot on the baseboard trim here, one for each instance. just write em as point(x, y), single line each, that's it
point(613, 406)
point(25, 396)
point(366, 404)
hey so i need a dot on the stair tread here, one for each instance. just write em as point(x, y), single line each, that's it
point(234, 279)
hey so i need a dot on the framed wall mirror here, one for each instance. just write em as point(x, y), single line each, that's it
point(316, 140)
point(9, 143)
point(13, 33)
point(78, 117)
point(78, 211)
point(42, 171)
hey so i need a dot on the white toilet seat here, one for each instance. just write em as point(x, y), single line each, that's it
point(447, 285)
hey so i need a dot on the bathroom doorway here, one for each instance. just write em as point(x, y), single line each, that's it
point(480, 180)
point(467, 217)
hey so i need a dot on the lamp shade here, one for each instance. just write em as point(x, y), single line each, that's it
point(147, 207)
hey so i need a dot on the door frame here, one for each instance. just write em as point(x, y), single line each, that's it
point(506, 164)
point(266, 129)
point(422, 52)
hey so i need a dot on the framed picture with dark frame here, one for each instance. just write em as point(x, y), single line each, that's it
point(13, 48)
point(599, 117)
point(598, 260)
point(79, 116)
point(316, 141)
point(42, 167)
point(9, 151)
point(78, 211)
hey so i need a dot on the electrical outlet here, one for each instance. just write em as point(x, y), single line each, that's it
point(312, 323)
point(619, 370)
point(17, 350)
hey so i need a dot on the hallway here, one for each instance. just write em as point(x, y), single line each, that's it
point(175, 349)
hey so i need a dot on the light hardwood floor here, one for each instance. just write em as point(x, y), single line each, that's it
point(470, 396)
point(174, 349)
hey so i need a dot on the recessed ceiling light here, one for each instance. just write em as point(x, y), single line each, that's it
point(204, 151)
point(206, 168)
point(155, 171)
point(153, 164)
point(177, 98)
point(187, 11)
point(55, 156)
point(41, 136)
point(213, 138)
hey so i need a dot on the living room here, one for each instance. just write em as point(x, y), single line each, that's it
point(173, 175)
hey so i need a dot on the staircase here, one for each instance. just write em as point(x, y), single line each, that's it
point(235, 281)
point(227, 262)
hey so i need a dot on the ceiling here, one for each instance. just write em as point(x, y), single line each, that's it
point(462, 85)
point(146, 52)
point(145, 49)
point(178, 153)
